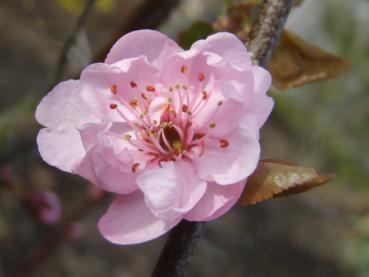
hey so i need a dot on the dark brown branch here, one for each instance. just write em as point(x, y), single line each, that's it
point(183, 238)
point(267, 28)
point(43, 251)
point(178, 248)
point(70, 42)
point(149, 15)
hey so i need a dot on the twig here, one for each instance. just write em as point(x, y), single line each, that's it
point(183, 238)
point(70, 42)
point(149, 15)
point(266, 29)
point(40, 253)
point(178, 248)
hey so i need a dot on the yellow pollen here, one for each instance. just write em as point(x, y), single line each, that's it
point(127, 137)
point(177, 145)
point(184, 69)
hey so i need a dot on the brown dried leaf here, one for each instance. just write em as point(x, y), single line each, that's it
point(274, 178)
point(296, 62)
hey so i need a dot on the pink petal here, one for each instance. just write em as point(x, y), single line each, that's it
point(64, 106)
point(152, 44)
point(262, 79)
point(98, 80)
point(107, 163)
point(227, 46)
point(216, 201)
point(231, 164)
point(61, 147)
point(171, 190)
point(129, 221)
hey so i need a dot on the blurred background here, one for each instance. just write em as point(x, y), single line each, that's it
point(48, 218)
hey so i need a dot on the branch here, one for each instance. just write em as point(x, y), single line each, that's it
point(183, 238)
point(178, 248)
point(149, 15)
point(266, 29)
point(70, 42)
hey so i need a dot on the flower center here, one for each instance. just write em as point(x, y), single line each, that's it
point(173, 136)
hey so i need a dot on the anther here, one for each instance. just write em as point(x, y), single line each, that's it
point(184, 69)
point(113, 106)
point(184, 108)
point(220, 103)
point(113, 89)
point(133, 103)
point(201, 76)
point(204, 95)
point(143, 96)
point(212, 125)
point(127, 137)
point(223, 143)
point(198, 135)
point(150, 88)
point(133, 84)
point(135, 167)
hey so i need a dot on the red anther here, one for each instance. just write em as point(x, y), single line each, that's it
point(133, 103)
point(150, 88)
point(198, 135)
point(135, 167)
point(223, 143)
point(143, 96)
point(201, 76)
point(113, 106)
point(184, 108)
point(184, 69)
point(113, 89)
point(204, 95)
point(133, 84)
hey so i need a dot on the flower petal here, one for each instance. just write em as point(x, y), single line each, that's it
point(225, 45)
point(216, 201)
point(64, 106)
point(107, 163)
point(171, 190)
point(230, 164)
point(128, 221)
point(154, 45)
point(61, 147)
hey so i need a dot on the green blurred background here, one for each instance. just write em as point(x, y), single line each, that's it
point(324, 232)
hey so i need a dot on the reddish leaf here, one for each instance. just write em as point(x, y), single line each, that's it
point(278, 178)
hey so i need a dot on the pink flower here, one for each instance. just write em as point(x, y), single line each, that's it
point(174, 133)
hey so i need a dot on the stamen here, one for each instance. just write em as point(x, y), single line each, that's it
point(184, 108)
point(212, 125)
point(198, 135)
point(143, 96)
point(113, 89)
point(223, 143)
point(113, 106)
point(133, 103)
point(184, 69)
point(201, 76)
point(150, 88)
point(133, 84)
point(135, 167)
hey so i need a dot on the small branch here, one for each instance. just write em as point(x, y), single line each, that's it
point(149, 15)
point(183, 238)
point(70, 42)
point(43, 251)
point(178, 248)
point(267, 28)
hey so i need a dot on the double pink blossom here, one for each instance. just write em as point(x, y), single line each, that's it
point(173, 133)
